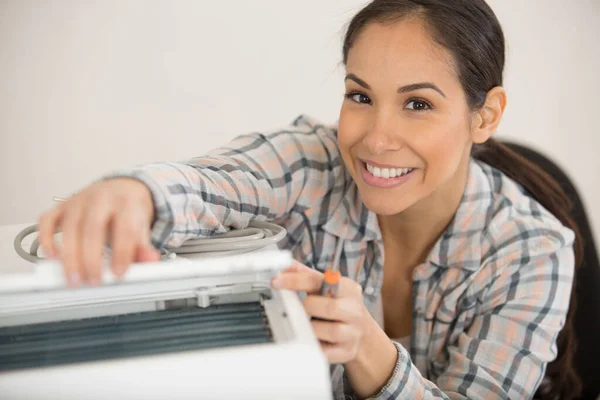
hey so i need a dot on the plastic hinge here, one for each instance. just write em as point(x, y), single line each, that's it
point(204, 294)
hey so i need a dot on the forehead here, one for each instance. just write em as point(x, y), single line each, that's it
point(400, 50)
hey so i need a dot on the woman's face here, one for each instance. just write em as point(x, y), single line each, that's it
point(404, 129)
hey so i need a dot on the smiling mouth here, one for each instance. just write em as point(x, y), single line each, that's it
point(387, 173)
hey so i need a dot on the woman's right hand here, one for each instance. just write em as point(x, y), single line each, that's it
point(118, 212)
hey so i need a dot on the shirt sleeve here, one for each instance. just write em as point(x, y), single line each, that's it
point(504, 352)
point(259, 175)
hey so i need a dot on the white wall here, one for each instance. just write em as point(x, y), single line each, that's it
point(90, 86)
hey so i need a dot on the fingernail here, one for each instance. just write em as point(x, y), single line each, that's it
point(74, 279)
point(120, 269)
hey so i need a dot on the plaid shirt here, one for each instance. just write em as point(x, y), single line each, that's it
point(488, 303)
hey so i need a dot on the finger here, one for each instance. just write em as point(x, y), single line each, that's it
point(332, 332)
point(145, 252)
point(298, 267)
point(125, 238)
point(308, 280)
point(94, 232)
point(337, 353)
point(349, 288)
point(343, 309)
point(48, 225)
point(70, 250)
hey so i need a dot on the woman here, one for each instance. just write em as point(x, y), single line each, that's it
point(475, 284)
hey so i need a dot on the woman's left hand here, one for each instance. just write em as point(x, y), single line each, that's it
point(341, 323)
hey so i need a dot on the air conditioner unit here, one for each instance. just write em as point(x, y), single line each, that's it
point(209, 328)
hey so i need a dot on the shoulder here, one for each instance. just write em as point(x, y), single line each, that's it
point(521, 237)
point(308, 123)
point(517, 220)
point(497, 223)
point(305, 128)
point(304, 137)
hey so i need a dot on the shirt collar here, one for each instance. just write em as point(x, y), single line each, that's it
point(460, 244)
point(352, 220)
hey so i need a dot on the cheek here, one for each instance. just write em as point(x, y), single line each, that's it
point(350, 134)
point(442, 150)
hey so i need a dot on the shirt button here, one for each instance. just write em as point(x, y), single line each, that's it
point(370, 290)
point(420, 272)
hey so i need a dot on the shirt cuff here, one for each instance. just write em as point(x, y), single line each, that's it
point(163, 223)
point(394, 386)
point(399, 377)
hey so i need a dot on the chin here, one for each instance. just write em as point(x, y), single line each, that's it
point(385, 205)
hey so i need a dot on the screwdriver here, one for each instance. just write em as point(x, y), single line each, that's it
point(332, 277)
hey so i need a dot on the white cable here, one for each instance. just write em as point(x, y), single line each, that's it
point(257, 235)
point(32, 255)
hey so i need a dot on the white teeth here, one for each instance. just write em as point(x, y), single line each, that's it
point(387, 173)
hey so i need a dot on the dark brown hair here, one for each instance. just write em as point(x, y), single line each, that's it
point(470, 31)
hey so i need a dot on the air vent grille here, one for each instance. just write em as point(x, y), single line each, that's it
point(130, 335)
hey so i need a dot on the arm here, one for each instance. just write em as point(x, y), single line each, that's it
point(254, 176)
point(503, 354)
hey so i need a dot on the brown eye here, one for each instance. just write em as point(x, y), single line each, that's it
point(359, 98)
point(418, 105)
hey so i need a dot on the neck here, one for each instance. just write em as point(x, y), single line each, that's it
point(414, 232)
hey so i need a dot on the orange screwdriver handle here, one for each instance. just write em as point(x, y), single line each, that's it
point(331, 282)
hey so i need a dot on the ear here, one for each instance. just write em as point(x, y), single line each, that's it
point(486, 120)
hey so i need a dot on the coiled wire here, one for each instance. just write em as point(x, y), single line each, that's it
point(257, 235)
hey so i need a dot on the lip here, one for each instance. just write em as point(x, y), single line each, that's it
point(384, 183)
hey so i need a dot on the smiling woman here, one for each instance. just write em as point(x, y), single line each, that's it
point(458, 266)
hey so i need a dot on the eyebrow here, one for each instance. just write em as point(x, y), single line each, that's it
point(403, 89)
point(422, 85)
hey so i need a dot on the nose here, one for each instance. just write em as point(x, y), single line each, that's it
point(382, 135)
